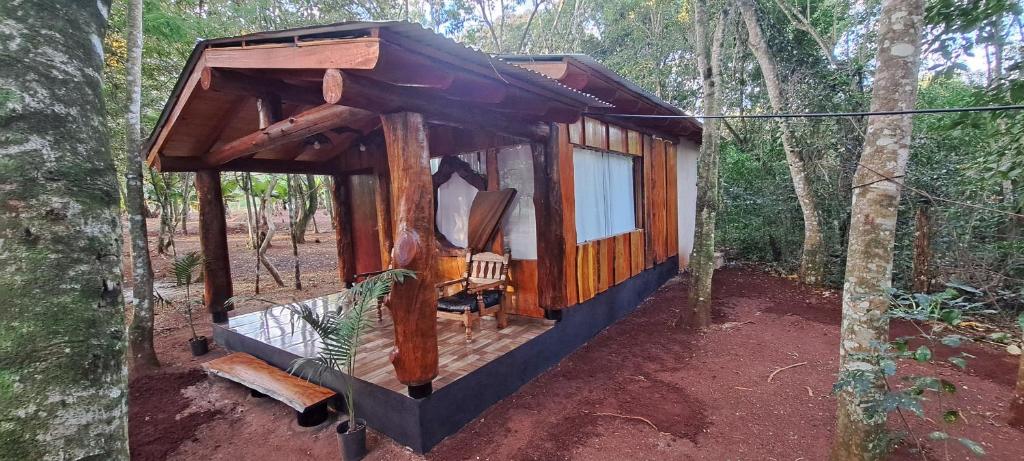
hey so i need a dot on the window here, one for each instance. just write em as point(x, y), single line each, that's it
point(515, 164)
point(454, 198)
point(605, 204)
point(459, 178)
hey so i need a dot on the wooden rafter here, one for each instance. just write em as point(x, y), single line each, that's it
point(294, 128)
point(356, 91)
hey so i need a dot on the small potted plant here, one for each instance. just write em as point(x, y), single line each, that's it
point(340, 328)
point(184, 271)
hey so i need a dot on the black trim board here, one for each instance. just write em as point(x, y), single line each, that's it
point(422, 424)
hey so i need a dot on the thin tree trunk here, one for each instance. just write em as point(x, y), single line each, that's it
point(859, 433)
point(267, 237)
point(271, 229)
point(186, 184)
point(140, 333)
point(311, 204)
point(922, 248)
point(702, 259)
point(1017, 405)
point(249, 221)
point(293, 201)
point(63, 379)
point(330, 209)
point(813, 259)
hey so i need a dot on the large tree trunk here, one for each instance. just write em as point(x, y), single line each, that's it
point(873, 225)
point(702, 259)
point(63, 383)
point(140, 334)
point(813, 259)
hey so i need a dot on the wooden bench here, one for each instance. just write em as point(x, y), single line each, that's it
point(309, 400)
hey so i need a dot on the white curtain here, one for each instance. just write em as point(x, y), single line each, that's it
point(515, 170)
point(605, 205)
point(454, 198)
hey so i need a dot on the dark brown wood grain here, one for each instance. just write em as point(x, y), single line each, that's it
point(568, 185)
point(548, 202)
point(342, 202)
point(586, 270)
point(648, 206)
point(413, 304)
point(672, 197)
point(605, 263)
point(213, 240)
point(622, 262)
point(295, 128)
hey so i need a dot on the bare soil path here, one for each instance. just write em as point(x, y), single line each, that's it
point(640, 390)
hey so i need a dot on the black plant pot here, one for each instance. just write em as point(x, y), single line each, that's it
point(353, 444)
point(199, 346)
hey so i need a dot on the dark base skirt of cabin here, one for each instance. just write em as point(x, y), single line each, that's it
point(422, 423)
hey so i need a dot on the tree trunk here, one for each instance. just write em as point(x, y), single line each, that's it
point(813, 259)
point(859, 434)
point(63, 380)
point(186, 181)
point(1017, 405)
point(293, 202)
point(309, 209)
point(702, 259)
point(140, 333)
point(922, 248)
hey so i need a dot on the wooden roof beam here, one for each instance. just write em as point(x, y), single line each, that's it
point(294, 128)
point(355, 91)
point(256, 165)
point(237, 83)
point(353, 53)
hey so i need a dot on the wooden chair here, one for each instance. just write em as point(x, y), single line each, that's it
point(481, 291)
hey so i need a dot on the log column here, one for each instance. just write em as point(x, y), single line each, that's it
point(213, 240)
point(413, 304)
point(555, 263)
point(343, 229)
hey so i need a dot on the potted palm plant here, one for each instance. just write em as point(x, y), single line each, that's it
point(340, 328)
point(184, 271)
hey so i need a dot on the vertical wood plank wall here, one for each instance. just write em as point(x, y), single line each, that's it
point(592, 267)
point(601, 264)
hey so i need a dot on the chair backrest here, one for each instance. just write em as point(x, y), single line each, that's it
point(486, 267)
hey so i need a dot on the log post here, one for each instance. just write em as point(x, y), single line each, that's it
point(413, 304)
point(213, 239)
point(552, 255)
point(343, 228)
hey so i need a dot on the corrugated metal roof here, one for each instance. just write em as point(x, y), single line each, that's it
point(597, 67)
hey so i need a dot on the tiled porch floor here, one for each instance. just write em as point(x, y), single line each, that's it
point(456, 357)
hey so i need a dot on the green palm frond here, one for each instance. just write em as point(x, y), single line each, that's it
point(340, 327)
point(185, 267)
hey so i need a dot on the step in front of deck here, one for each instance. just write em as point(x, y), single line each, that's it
point(266, 379)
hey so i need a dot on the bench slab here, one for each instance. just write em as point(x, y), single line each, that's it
point(266, 379)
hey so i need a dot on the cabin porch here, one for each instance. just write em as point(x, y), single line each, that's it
point(471, 376)
point(456, 357)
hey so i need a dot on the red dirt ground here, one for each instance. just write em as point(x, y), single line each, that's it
point(640, 390)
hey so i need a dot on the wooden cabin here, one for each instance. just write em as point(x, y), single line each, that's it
point(413, 126)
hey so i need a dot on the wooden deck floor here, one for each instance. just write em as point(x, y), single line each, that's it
point(457, 358)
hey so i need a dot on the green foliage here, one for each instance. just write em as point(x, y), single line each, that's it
point(340, 327)
point(184, 269)
point(912, 391)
